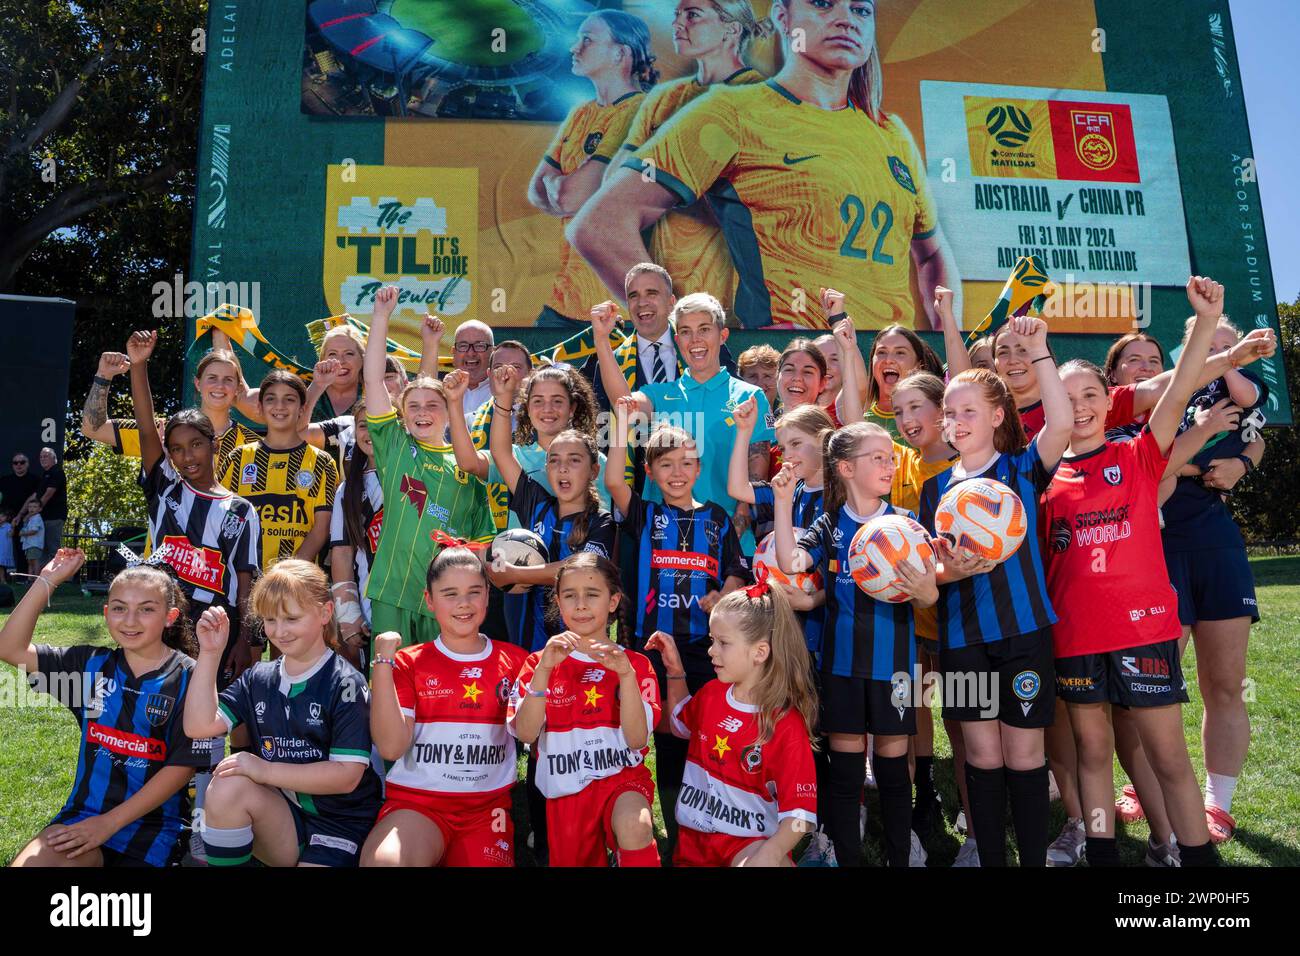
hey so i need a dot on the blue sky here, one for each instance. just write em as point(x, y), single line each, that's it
point(1266, 32)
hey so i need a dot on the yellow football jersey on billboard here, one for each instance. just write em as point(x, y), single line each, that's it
point(688, 243)
point(594, 132)
point(806, 197)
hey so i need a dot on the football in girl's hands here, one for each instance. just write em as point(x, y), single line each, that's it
point(878, 546)
point(765, 555)
point(983, 516)
point(519, 546)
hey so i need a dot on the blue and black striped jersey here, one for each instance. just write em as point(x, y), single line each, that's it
point(537, 510)
point(863, 637)
point(807, 507)
point(1012, 598)
point(131, 727)
point(322, 714)
point(682, 555)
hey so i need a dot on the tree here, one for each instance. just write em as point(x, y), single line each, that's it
point(1266, 505)
point(99, 111)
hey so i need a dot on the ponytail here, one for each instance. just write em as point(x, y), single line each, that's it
point(1009, 437)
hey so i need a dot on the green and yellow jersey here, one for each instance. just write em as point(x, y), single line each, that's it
point(806, 198)
point(424, 492)
point(688, 242)
point(291, 489)
point(594, 132)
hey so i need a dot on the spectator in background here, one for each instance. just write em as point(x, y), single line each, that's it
point(20, 485)
point(52, 497)
point(470, 352)
point(758, 365)
point(31, 535)
point(6, 543)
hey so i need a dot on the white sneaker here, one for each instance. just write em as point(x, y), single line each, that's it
point(1162, 854)
point(968, 855)
point(1067, 849)
point(820, 852)
point(916, 856)
point(960, 824)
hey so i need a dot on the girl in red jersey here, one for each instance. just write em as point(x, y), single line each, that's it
point(1103, 569)
point(438, 712)
point(589, 705)
point(750, 789)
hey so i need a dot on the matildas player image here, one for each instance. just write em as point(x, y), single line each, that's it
point(613, 52)
point(814, 185)
point(717, 35)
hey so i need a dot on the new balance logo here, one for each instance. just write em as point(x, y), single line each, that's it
point(731, 724)
point(593, 675)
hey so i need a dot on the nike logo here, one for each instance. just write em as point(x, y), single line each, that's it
point(796, 160)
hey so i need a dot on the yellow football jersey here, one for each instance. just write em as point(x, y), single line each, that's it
point(905, 495)
point(688, 243)
point(806, 197)
point(594, 132)
point(291, 490)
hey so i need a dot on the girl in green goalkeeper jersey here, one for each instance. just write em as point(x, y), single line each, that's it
point(425, 493)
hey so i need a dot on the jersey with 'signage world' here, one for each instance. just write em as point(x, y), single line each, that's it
point(806, 198)
point(590, 132)
point(582, 737)
point(682, 556)
point(732, 786)
point(1105, 565)
point(461, 751)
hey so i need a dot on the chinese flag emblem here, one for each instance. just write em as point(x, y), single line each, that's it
point(1094, 141)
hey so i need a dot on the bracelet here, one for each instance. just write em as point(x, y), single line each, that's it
point(49, 590)
point(499, 407)
point(1043, 358)
point(390, 661)
point(676, 676)
point(107, 383)
point(1245, 460)
point(545, 692)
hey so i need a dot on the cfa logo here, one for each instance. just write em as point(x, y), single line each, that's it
point(679, 601)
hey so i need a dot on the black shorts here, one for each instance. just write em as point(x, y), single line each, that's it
point(859, 705)
point(1146, 676)
point(1012, 680)
point(329, 841)
point(1212, 585)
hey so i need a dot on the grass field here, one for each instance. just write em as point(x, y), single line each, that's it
point(38, 745)
point(462, 32)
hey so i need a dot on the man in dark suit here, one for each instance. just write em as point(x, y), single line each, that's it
point(649, 353)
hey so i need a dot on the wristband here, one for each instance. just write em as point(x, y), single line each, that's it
point(1245, 460)
point(546, 692)
point(391, 662)
point(348, 612)
point(1043, 358)
point(832, 319)
point(676, 676)
point(98, 380)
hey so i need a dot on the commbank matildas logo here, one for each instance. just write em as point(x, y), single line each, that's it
point(1009, 126)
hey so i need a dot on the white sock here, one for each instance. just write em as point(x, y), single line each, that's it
point(1218, 791)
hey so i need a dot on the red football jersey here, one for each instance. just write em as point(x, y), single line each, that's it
point(1121, 411)
point(731, 786)
point(1105, 565)
point(461, 751)
point(582, 739)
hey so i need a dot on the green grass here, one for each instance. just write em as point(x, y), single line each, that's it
point(462, 32)
point(38, 745)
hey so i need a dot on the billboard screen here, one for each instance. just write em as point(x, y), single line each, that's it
point(507, 160)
